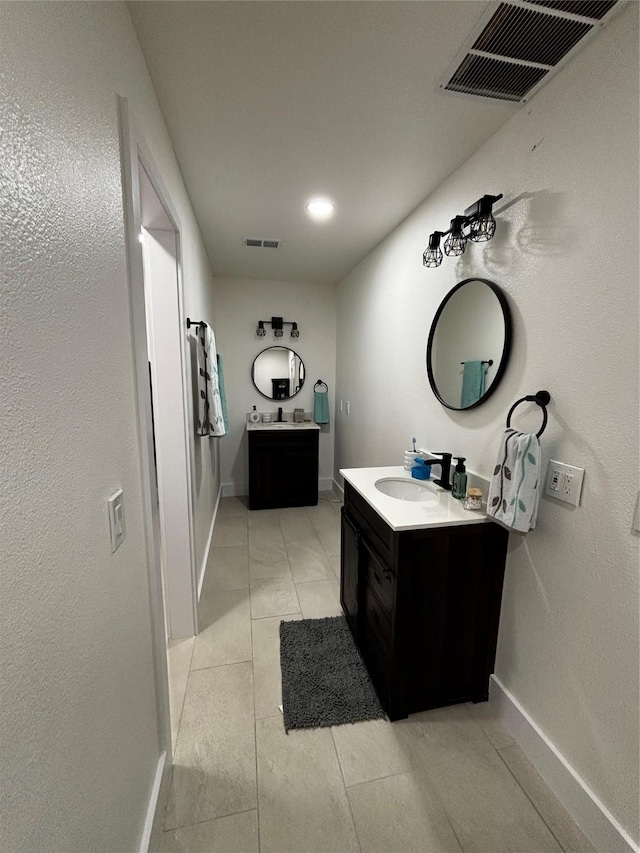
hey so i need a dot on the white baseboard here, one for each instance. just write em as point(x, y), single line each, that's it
point(325, 484)
point(156, 805)
point(205, 558)
point(587, 810)
point(338, 488)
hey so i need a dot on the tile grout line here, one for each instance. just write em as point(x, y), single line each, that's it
point(346, 792)
point(255, 731)
point(253, 689)
point(220, 665)
point(517, 781)
point(208, 820)
point(524, 791)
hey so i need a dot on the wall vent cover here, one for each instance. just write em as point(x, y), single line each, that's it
point(519, 45)
point(261, 244)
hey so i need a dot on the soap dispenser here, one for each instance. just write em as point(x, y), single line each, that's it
point(254, 416)
point(460, 479)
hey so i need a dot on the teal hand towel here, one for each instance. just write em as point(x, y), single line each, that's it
point(321, 407)
point(472, 383)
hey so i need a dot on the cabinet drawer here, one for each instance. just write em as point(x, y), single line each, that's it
point(377, 629)
point(380, 578)
point(380, 535)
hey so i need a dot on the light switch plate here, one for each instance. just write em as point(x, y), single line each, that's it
point(116, 519)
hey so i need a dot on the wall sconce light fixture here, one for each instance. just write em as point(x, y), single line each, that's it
point(477, 225)
point(277, 324)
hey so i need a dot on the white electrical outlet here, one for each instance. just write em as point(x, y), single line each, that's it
point(348, 407)
point(564, 482)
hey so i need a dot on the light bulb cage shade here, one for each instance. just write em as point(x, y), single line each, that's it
point(454, 246)
point(483, 228)
point(295, 332)
point(456, 241)
point(260, 331)
point(277, 333)
point(432, 256)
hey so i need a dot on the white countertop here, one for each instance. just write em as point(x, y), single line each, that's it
point(410, 515)
point(285, 425)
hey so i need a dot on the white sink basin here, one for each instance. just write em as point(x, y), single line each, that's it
point(407, 490)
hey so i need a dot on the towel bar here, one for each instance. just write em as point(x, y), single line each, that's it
point(191, 323)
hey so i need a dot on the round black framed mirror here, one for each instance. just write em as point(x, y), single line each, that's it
point(469, 344)
point(278, 373)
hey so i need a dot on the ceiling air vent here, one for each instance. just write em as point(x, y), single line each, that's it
point(262, 244)
point(519, 45)
point(595, 9)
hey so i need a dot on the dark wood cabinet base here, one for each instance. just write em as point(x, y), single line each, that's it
point(283, 468)
point(423, 606)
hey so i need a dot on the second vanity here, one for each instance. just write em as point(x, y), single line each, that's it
point(421, 587)
point(283, 464)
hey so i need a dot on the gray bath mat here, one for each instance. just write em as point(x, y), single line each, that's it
point(324, 680)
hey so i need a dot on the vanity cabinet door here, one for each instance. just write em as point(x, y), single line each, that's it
point(349, 570)
point(379, 577)
point(283, 469)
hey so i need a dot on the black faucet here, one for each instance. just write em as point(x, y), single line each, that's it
point(280, 421)
point(445, 469)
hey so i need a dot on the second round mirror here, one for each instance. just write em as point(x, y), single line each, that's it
point(278, 373)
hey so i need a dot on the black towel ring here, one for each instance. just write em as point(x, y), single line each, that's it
point(540, 398)
point(320, 382)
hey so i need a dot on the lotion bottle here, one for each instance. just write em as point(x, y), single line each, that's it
point(460, 480)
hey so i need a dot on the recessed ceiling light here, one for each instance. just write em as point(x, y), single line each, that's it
point(320, 208)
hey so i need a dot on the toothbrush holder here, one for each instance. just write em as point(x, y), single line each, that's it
point(421, 470)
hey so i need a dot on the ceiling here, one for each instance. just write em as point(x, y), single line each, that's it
point(270, 103)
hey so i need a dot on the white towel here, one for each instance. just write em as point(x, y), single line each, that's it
point(514, 494)
point(210, 416)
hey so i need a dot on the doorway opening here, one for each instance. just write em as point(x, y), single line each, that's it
point(169, 433)
point(165, 424)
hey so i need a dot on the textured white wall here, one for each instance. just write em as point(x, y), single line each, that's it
point(78, 715)
point(566, 254)
point(240, 303)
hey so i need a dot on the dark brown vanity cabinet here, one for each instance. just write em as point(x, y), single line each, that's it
point(423, 606)
point(283, 468)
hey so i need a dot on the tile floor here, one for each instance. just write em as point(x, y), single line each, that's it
point(443, 781)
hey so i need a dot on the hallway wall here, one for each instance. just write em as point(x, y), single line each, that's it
point(566, 254)
point(78, 713)
point(240, 304)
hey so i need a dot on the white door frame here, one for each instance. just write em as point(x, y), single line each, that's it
point(134, 152)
